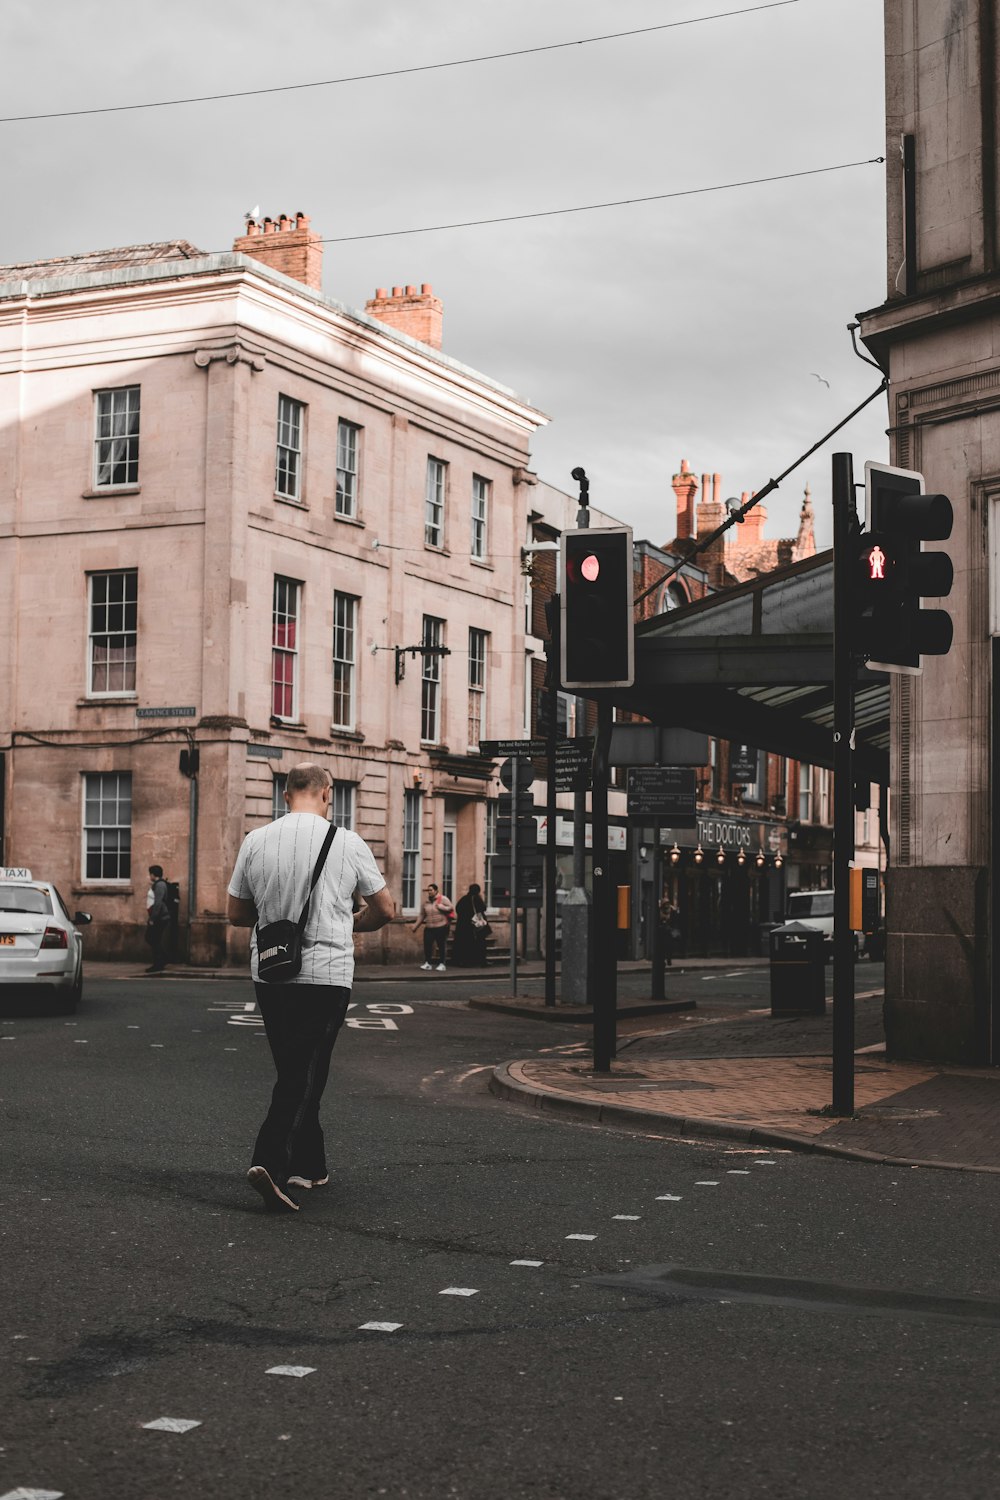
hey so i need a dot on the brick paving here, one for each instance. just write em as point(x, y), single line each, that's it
point(770, 1082)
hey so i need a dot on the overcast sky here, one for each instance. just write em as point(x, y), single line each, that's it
point(693, 328)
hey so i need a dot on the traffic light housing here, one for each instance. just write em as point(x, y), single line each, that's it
point(596, 637)
point(892, 572)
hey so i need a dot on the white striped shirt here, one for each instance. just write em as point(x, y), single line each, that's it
point(273, 870)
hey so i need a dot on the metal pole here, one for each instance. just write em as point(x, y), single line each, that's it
point(513, 873)
point(192, 857)
point(845, 523)
point(604, 960)
point(551, 813)
point(657, 991)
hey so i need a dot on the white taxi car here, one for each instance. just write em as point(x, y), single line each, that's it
point(41, 946)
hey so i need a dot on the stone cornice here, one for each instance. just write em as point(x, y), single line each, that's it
point(233, 354)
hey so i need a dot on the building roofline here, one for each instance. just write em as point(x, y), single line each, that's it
point(232, 261)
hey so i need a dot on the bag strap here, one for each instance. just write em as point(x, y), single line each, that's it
point(316, 874)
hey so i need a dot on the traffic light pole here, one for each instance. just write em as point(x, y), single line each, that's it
point(514, 808)
point(845, 527)
point(604, 958)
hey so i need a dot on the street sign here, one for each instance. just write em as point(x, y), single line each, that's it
point(496, 748)
point(667, 792)
point(651, 745)
point(574, 763)
point(525, 803)
point(743, 763)
point(525, 775)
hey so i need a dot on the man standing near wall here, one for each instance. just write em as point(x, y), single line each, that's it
point(302, 1016)
point(157, 920)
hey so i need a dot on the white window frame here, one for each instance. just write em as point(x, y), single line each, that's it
point(342, 799)
point(279, 806)
point(111, 798)
point(117, 407)
point(479, 655)
point(280, 616)
point(430, 683)
point(128, 639)
point(289, 449)
point(435, 495)
point(479, 538)
point(348, 479)
point(805, 793)
point(412, 839)
point(345, 665)
point(566, 710)
point(490, 852)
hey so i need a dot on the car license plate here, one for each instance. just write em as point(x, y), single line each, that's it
point(7, 940)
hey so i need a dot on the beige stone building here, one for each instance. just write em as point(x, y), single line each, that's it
point(230, 511)
point(937, 335)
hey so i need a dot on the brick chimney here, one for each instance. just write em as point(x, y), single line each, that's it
point(685, 484)
point(419, 314)
point(749, 534)
point(711, 514)
point(286, 245)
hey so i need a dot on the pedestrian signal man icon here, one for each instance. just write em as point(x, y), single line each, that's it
point(876, 563)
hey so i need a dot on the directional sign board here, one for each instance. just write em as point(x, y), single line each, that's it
point(574, 762)
point(667, 792)
point(496, 748)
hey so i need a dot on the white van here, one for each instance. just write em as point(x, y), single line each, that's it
point(815, 909)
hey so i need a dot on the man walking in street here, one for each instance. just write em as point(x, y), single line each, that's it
point(435, 918)
point(157, 920)
point(302, 1016)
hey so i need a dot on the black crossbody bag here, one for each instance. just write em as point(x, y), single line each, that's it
point(279, 944)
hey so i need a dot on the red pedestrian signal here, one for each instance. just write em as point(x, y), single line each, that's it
point(893, 573)
point(596, 635)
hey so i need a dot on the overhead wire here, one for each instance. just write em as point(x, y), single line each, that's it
point(584, 208)
point(322, 83)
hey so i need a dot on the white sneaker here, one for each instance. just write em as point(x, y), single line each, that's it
point(441, 968)
point(427, 966)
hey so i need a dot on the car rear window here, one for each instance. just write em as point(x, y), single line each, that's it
point(25, 898)
point(811, 904)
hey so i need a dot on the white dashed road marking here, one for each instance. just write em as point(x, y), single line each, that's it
point(380, 1327)
point(707, 1182)
point(291, 1370)
point(581, 1236)
point(633, 1218)
point(459, 1291)
point(527, 1262)
point(670, 1197)
point(27, 1494)
point(171, 1424)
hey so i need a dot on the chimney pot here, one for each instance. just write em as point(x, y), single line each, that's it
point(397, 291)
point(380, 293)
point(411, 291)
point(298, 254)
point(426, 288)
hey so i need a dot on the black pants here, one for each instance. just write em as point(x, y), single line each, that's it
point(302, 1022)
point(435, 937)
point(158, 938)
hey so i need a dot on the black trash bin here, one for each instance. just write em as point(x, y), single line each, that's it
point(798, 971)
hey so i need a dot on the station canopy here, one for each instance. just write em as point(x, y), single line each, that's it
point(754, 664)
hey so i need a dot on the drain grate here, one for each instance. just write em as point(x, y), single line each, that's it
point(685, 1282)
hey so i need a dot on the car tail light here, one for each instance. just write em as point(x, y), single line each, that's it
point(54, 937)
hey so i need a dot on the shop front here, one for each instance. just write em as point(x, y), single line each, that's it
point(726, 879)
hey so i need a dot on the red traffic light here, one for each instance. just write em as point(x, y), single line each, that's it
point(590, 567)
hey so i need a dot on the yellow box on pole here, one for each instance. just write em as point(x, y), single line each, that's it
point(857, 879)
point(624, 908)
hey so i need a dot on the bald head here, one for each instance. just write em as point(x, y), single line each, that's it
point(307, 788)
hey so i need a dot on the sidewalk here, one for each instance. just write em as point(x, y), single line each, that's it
point(768, 1083)
point(366, 973)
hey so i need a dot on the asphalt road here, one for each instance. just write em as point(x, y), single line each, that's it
point(141, 1280)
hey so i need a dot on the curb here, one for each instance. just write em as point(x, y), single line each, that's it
point(580, 1014)
point(504, 1085)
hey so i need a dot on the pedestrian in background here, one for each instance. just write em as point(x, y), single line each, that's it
point(669, 930)
point(471, 930)
point(435, 918)
point(157, 919)
point(275, 880)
